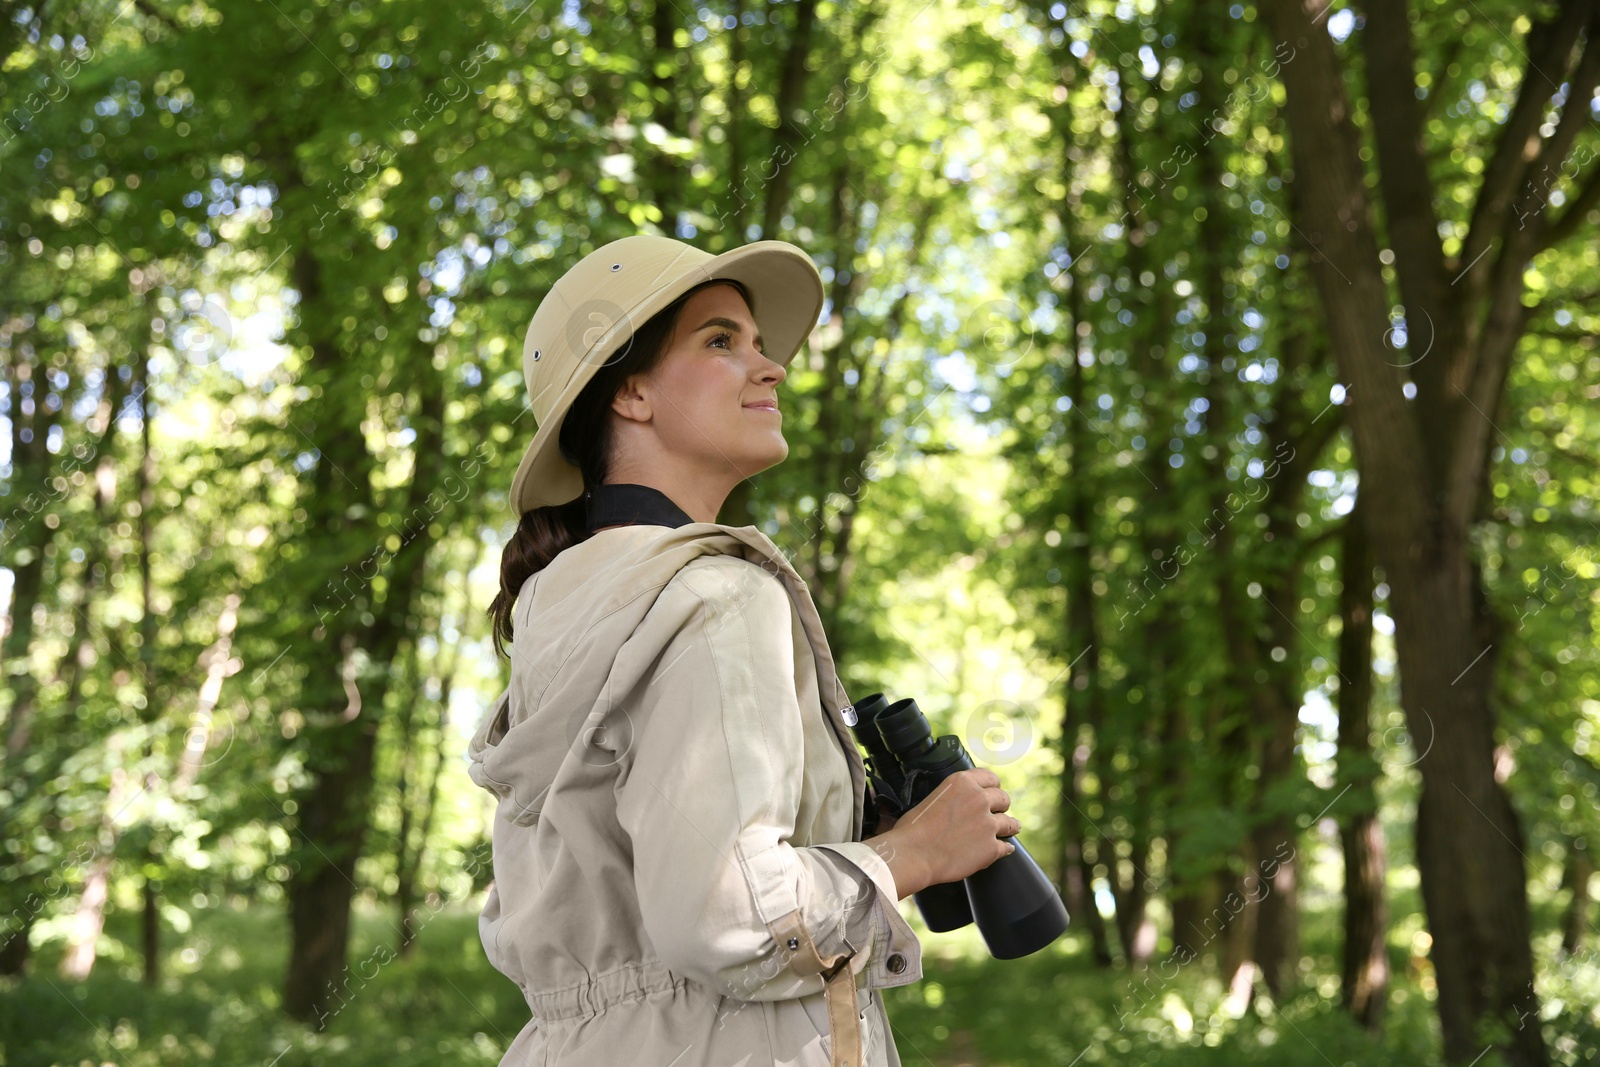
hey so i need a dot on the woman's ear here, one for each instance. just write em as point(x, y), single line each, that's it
point(632, 400)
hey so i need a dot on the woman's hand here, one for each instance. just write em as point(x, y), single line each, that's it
point(954, 832)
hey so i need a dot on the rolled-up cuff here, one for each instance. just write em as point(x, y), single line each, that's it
point(887, 950)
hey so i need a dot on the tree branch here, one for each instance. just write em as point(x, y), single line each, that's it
point(1408, 196)
point(791, 90)
point(1588, 197)
point(1566, 335)
point(1441, 81)
point(1469, 457)
point(1329, 202)
point(151, 11)
point(1548, 43)
point(1574, 114)
point(1402, 162)
point(1507, 319)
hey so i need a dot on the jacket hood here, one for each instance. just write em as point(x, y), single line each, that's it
point(569, 630)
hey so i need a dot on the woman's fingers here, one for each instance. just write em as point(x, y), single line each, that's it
point(984, 777)
point(961, 826)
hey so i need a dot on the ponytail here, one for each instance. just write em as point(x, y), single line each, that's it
point(543, 533)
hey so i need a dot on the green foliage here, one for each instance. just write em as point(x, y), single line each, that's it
point(445, 1003)
point(219, 1005)
point(264, 275)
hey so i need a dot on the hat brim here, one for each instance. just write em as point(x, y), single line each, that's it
point(787, 293)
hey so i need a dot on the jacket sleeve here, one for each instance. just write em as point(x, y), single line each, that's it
point(709, 796)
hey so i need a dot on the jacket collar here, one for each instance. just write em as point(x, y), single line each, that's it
point(631, 504)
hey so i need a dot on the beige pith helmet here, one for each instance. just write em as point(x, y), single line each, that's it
point(608, 294)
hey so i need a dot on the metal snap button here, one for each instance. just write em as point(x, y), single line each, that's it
point(896, 963)
point(794, 943)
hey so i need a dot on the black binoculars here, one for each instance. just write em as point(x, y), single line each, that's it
point(1017, 908)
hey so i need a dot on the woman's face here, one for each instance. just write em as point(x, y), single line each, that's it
point(709, 408)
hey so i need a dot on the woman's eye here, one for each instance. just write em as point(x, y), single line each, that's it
point(722, 337)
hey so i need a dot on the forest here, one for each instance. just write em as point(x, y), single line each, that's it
point(1203, 424)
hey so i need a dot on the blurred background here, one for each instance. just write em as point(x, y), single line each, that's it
point(1201, 425)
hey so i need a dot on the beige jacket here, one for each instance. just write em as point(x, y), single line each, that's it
point(676, 845)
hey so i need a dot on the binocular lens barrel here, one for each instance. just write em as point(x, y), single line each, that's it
point(1017, 908)
point(905, 729)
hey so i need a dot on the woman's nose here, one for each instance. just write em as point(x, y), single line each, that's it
point(772, 371)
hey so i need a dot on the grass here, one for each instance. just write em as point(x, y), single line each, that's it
point(219, 1004)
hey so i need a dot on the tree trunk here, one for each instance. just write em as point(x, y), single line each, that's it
point(1261, 634)
point(791, 91)
point(1159, 776)
point(1069, 864)
point(664, 64)
point(1579, 872)
point(1276, 875)
point(218, 663)
point(150, 923)
point(1235, 918)
point(861, 409)
point(79, 958)
point(405, 876)
point(737, 209)
point(341, 720)
point(1082, 692)
point(27, 536)
point(1083, 689)
point(87, 921)
point(1364, 972)
point(1470, 848)
point(89, 918)
point(343, 715)
point(14, 952)
point(1236, 707)
point(1078, 872)
point(1191, 900)
point(430, 804)
point(31, 475)
point(1134, 927)
point(27, 567)
point(150, 932)
point(846, 413)
point(1469, 839)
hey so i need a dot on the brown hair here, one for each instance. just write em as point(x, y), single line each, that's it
point(585, 442)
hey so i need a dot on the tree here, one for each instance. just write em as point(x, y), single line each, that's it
point(1424, 433)
point(1364, 966)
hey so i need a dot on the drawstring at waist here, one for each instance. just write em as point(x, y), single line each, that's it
point(632, 981)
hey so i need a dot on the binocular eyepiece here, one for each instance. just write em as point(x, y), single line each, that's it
point(1017, 908)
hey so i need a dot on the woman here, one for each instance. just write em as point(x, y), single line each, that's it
point(679, 875)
